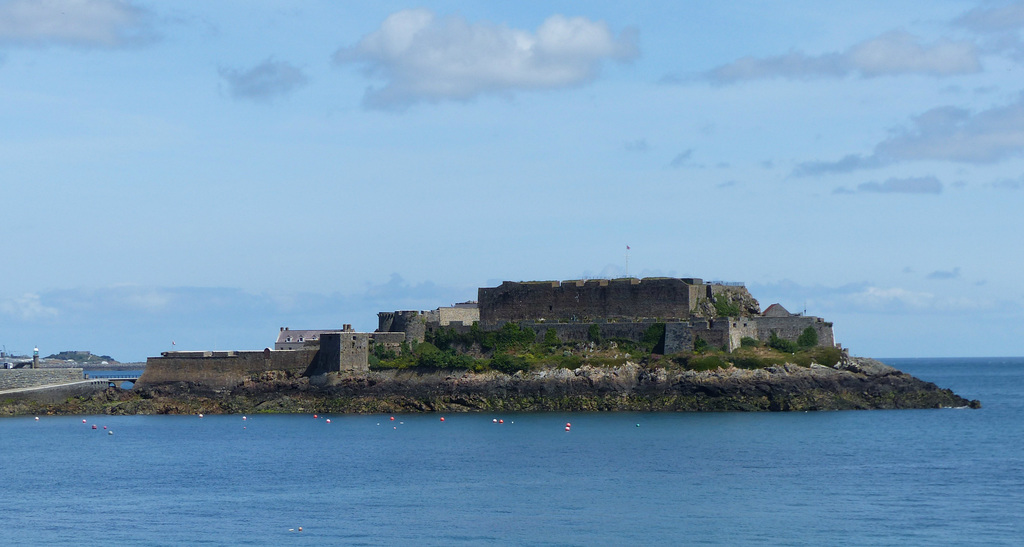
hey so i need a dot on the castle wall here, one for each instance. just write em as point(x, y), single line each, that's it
point(222, 369)
point(412, 323)
point(587, 300)
point(464, 315)
point(580, 332)
point(790, 328)
point(343, 352)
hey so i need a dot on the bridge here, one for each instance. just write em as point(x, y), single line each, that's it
point(115, 378)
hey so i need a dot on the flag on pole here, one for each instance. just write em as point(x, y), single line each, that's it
point(627, 247)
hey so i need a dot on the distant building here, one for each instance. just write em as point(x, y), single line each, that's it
point(296, 339)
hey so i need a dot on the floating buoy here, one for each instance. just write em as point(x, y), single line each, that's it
point(200, 415)
point(94, 426)
point(104, 427)
point(110, 432)
point(392, 418)
point(315, 416)
point(328, 420)
point(442, 418)
point(567, 424)
point(394, 428)
point(638, 425)
point(495, 420)
point(83, 421)
point(300, 528)
point(567, 428)
point(244, 418)
point(501, 421)
point(37, 418)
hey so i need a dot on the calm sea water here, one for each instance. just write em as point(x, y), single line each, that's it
point(945, 477)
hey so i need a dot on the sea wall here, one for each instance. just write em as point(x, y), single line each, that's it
point(20, 378)
point(222, 369)
point(58, 393)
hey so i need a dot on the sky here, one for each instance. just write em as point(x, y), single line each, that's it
point(196, 175)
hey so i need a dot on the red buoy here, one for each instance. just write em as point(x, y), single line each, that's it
point(442, 418)
point(501, 421)
point(94, 426)
point(392, 418)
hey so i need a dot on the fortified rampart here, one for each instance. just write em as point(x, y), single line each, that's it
point(790, 328)
point(222, 369)
point(591, 299)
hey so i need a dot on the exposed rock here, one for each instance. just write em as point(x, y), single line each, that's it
point(855, 383)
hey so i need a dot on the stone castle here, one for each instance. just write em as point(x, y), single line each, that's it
point(719, 314)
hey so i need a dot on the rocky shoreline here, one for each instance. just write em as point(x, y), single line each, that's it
point(853, 384)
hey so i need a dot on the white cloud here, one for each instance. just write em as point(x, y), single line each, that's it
point(994, 19)
point(682, 158)
point(901, 53)
point(892, 53)
point(639, 145)
point(945, 274)
point(912, 185)
point(28, 307)
point(944, 134)
point(869, 298)
point(425, 58)
point(264, 81)
point(84, 23)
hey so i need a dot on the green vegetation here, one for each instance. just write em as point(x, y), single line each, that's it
point(514, 348)
point(699, 345)
point(653, 339)
point(725, 308)
point(781, 344)
point(808, 338)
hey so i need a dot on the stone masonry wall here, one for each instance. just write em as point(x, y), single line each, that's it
point(223, 369)
point(587, 300)
point(790, 328)
point(464, 315)
point(19, 378)
point(343, 352)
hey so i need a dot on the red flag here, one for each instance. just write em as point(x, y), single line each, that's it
point(627, 247)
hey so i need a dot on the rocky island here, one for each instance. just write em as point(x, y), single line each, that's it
point(656, 344)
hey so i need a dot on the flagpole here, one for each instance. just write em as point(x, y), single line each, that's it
point(627, 260)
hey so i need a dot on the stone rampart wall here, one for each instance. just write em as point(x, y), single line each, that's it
point(466, 316)
point(580, 332)
point(589, 300)
point(220, 370)
point(19, 378)
point(790, 328)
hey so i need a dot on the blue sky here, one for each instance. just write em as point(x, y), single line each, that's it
point(206, 172)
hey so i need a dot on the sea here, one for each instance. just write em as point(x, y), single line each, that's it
point(903, 477)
